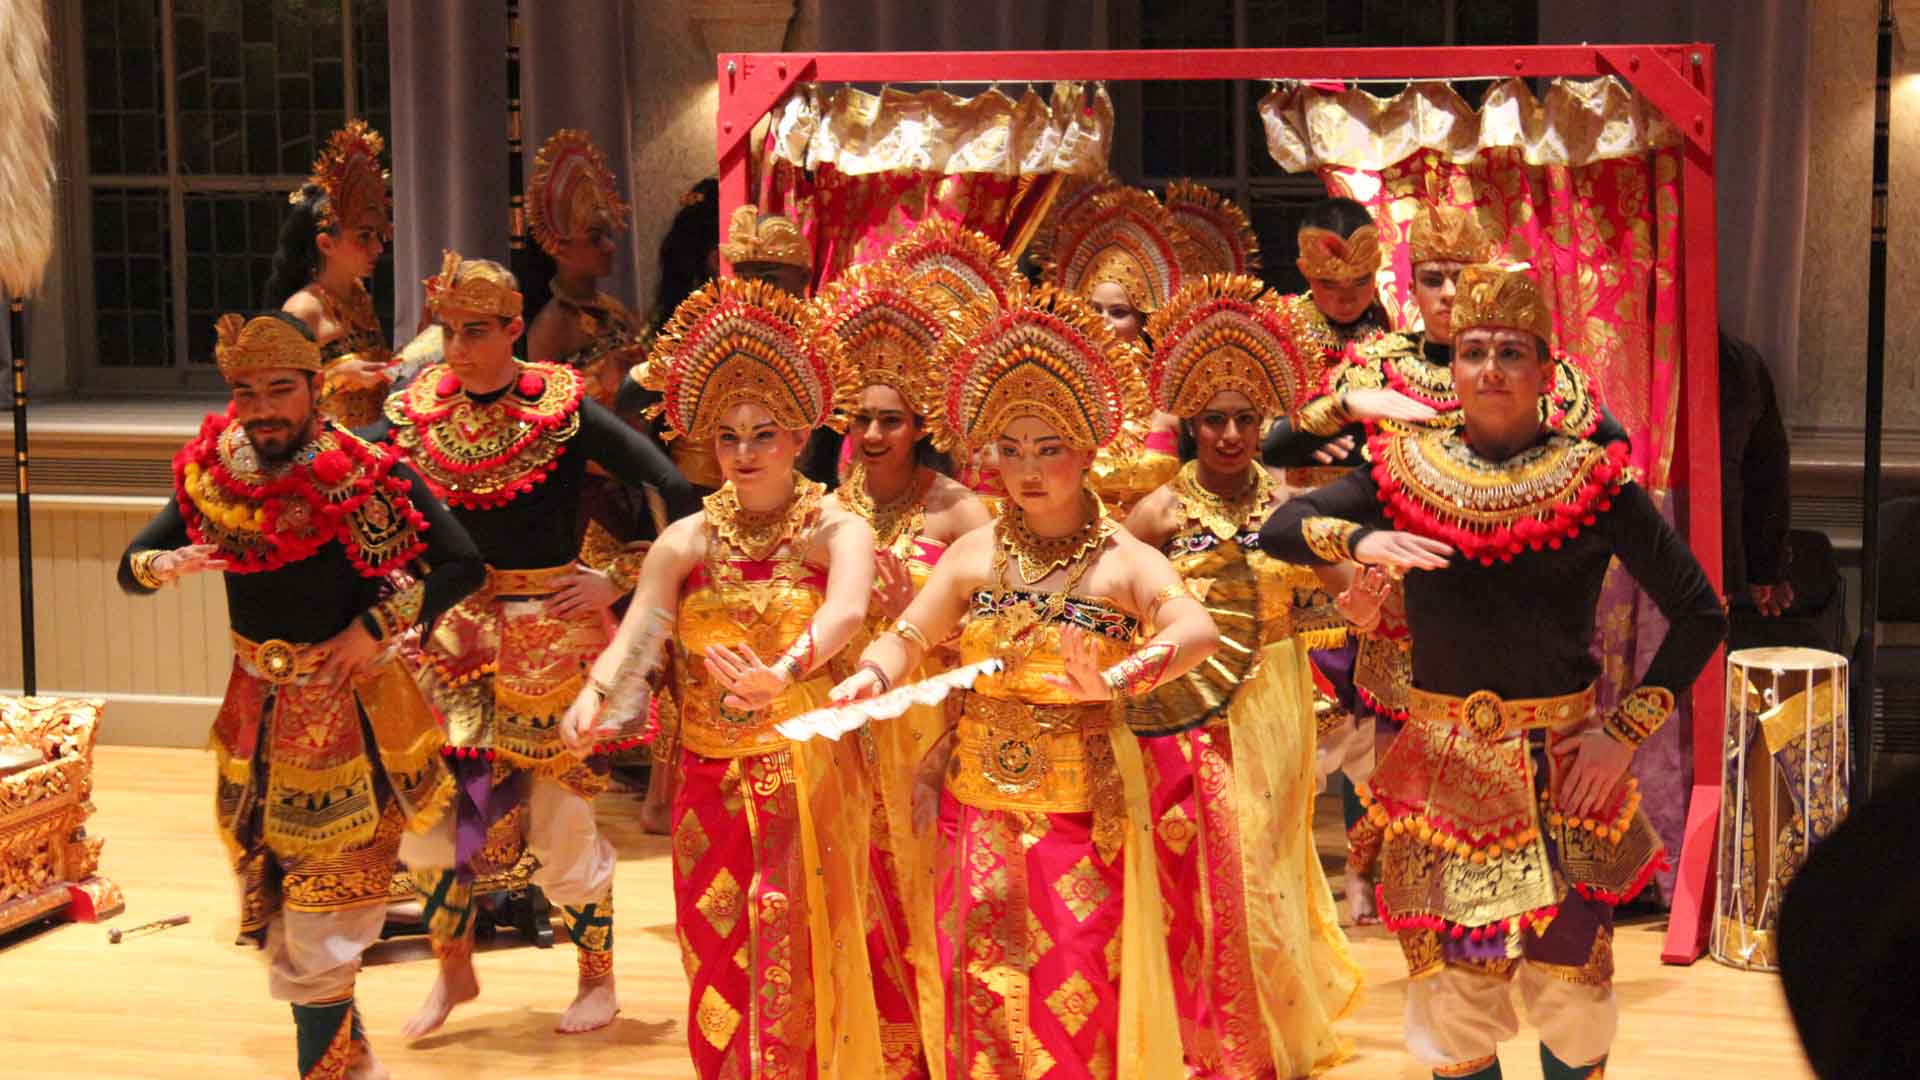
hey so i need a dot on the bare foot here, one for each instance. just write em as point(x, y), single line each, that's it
point(656, 807)
point(366, 1067)
point(1360, 904)
point(457, 984)
point(593, 1007)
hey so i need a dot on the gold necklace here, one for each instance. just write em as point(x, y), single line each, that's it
point(1224, 517)
point(894, 521)
point(757, 534)
point(1038, 555)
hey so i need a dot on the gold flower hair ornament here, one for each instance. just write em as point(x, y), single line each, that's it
point(1123, 236)
point(1447, 234)
point(1500, 298)
point(752, 238)
point(1327, 256)
point(1228, 332)
point(241, 344)
point(349, 173)
point(890, 330)
point(959, 266)
point(472, 285)
point(1222, 240)
point(1047, 354)
point(740, 341)
point(571, 184)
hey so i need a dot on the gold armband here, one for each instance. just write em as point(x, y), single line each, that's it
point(1174, 591)
point(141, 566)
point(903, 628)
point(398, 612)
point(1329, 538)
point(1323, 416)
point(1640, 714)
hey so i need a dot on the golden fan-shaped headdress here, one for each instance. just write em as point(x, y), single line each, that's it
point(1223, 241)
point(1123, 236)
point(1500, 298)
point(480, 285)
point(264, 341)
point(958, 266)
point(772, 238)
point(1046, 354)
point(890, 331)
point(1446, 234)
point(1228, 332)
point(349, 172)
point(740, 341)
point(571, 182)
point(1327, 256)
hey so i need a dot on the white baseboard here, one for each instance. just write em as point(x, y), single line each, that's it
point(146, 719)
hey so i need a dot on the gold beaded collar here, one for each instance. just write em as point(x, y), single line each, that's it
point(758, 534)
point(895, 523)
point(1225, 518)
point(1036, 555)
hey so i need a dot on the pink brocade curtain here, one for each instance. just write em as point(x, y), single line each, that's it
point(1583, 185)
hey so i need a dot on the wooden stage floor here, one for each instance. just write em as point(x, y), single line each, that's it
point(186, 1003)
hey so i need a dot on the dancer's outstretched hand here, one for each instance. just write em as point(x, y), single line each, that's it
point(1593, 764)
point(1402, 551)
point(751, 684)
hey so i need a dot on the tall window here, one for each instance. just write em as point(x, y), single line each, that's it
point(199, 117)
point(1210, 131)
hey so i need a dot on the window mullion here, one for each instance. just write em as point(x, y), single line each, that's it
point(1241, 167)
point(348, 68)
point(176, 191)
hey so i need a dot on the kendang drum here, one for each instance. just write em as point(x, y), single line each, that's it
point(1783, 789)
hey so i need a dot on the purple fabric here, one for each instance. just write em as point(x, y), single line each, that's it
point(478, 804)
point(1336, 665)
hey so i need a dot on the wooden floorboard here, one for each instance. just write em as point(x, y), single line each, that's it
point(186, 1003)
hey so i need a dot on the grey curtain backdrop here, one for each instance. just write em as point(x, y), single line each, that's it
point(1761, 122)
point(449, 133)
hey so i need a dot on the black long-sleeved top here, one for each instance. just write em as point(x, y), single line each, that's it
point(315, 598)
point(1287, 448)
point(1756, 502)
point(1524, 629)
point(542, 527)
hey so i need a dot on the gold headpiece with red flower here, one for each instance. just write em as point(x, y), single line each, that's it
point(1222, 240)
point(264, 341)
point(571, 183)
point(890, 329)
point(1327, 256)
point(741, 341)
point(478, 285)
point(1047, 354)
point(1500, 298)
point(752, 238)
point(958, 266)
point(1123, 236)
point(1228, 332)
point(1446, 234)
point(349, 172)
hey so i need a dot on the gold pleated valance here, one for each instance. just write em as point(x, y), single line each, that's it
point(859, 133)
point(1577, 122)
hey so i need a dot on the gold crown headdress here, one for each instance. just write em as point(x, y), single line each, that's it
point(264, 341)
point(348, 171)
point(1123, 236)
point(1327, 256)
point(752, 238)
point(1228, 332)
point(1446, 234)
point(1222, 240)
point(742, 341)
point(472, 285)
point(890, 331)
point(1500, 298)
point(1046, 354)
point(956, 266)
point(571, 182)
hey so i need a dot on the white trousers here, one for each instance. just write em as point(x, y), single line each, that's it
point(576, 862)
point(1458, 1016)
point(313, 956)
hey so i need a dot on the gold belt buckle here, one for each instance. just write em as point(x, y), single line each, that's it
point(1483, 714)
point(277, 661)
point(1014, 758)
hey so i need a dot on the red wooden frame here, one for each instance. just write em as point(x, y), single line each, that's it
point(1676, 79)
